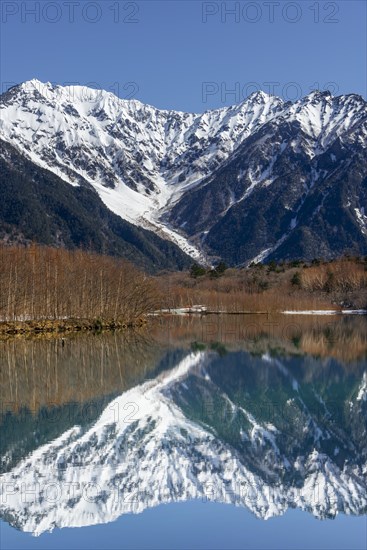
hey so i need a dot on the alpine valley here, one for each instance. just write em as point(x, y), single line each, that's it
point(265, 179)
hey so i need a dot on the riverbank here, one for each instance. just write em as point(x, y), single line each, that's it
point(45, 290)
point(66, 326)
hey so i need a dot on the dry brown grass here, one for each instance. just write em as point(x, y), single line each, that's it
point(271, 289)
point(341, 275)
point(237, 291)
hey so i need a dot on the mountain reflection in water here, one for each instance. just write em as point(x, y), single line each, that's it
point(264, 413)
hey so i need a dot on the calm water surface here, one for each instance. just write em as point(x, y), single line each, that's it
point(213, 432)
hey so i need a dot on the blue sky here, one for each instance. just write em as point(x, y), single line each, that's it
point(188, 55)
point(201, 525)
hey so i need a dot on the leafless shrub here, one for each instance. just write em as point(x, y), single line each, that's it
point(46, 283)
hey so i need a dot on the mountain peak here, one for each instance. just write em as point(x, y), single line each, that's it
point(316, 97)
point(320, 94)
point(34, 84)
point(260, 96)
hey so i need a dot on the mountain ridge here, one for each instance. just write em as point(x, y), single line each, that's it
point(158, 169)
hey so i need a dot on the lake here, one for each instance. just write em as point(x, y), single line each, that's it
point(228, 431)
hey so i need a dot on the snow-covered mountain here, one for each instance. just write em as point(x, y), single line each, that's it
point(188, 434)
point(294, 188)
point(182, 174)
point(38, 206)
point(137, 157)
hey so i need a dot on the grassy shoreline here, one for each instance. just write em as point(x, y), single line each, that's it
point(59, 326)
point(65, 326)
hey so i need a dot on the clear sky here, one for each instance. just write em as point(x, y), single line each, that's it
point(200, 525)
point(187, 55)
